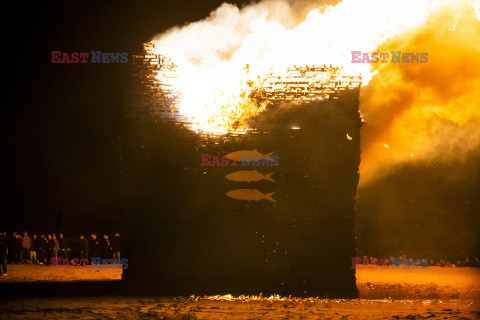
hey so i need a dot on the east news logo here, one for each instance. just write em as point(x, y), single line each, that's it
point(83, 57)
point(245, 158)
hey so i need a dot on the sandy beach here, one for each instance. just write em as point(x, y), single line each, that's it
point(189, 309)
point(432, 293)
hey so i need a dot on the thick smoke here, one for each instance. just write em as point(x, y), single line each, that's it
point(420, 166)
point(421, 112)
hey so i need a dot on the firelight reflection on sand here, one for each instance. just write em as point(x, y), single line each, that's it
point(421, 111)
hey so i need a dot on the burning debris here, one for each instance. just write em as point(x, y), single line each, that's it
point(297, 84)
point(310, 83)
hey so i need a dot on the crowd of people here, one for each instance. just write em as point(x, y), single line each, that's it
point(18, 248)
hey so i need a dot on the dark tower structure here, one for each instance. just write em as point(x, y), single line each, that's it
point(186, 236)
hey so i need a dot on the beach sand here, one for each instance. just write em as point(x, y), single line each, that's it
point(432, 293)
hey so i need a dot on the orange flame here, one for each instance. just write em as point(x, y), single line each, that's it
point(420, 111)
point(429, 111)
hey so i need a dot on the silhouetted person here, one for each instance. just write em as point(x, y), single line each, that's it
point(50, 244)
point(105, 247)
point(3, 254)
point(116, 246)
point(62, 243)
point(42, 249)
point(84, 248)
point(34, 249)
point(26, 244)
point(18, 249)
point(95, 246)
point(56, 246)
point(11, 247)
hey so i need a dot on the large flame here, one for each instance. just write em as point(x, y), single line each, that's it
point(220, 58)
point(431, 111)
point(412, 111)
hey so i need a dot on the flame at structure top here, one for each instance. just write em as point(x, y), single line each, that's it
point(217, 112)
point(228, 67)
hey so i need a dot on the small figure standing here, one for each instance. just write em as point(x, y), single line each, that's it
point(34, 249)
point(56, 246)
point(3, 254)
point(62, 243)
point(84, 247)
point(116, 246)
point(26, 244)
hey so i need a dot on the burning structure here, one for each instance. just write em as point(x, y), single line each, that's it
point(197, 230)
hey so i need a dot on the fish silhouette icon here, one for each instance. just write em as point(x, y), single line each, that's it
point(247, 155)
point(250, 195)
point(248, 176)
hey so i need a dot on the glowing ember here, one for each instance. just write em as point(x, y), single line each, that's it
point(261, 298)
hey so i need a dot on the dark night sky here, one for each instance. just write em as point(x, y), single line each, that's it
point(62, 121)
